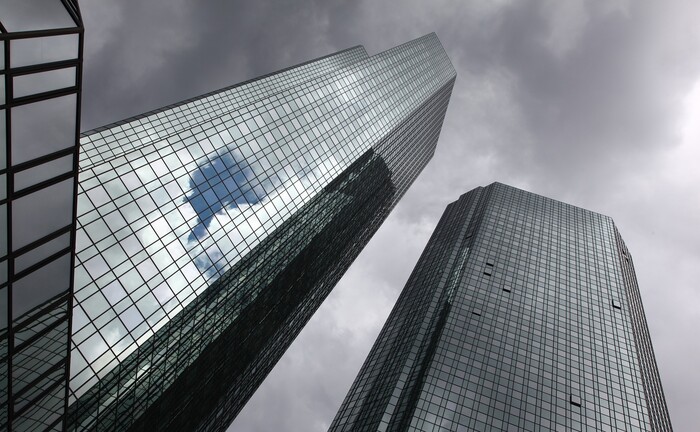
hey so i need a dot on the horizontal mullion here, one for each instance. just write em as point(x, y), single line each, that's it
point(41, 67)
point(39, 33)
point(35, 187)
point(58, 299)
point(39, 334)
point(32, 403)
point(41, 159)
point(45, 95)
point(41, 241)
point(41, 263)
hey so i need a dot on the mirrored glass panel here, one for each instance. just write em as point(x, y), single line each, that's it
point(3, 230)
point(3, 271)
point(43, 172)
point(3, 307)
point(41, 285)
point(41, 213)
point(40, 82)
point(171, 201)
point(3, 140)
point(28, 330)
point(25, 52)
point(25, 15)
point(44, 359)
point(42, 412)
point(43, 127)
point(41, 252)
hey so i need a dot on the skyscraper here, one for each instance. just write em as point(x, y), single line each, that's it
point(40, 76)
point(523, 313)
point(211, 230)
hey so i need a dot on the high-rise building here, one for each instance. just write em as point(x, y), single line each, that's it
point(40, 70)
point(523, 313)
point(211, 230)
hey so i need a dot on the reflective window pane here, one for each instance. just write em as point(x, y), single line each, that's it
point(3, 230)
point(3, 136)
point(197, 187)
point(40, 82)
point(3, 271)
point(31, 365)
point(3, 308)
point(41, 213)
point(43, 172)
point(43, 127)
point(41, 285)
point(31, 51)
point(25, 15)
point(41, 252)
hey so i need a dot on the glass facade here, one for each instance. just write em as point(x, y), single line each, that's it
point(40, 75)
point(523, 313)
point(208, 232)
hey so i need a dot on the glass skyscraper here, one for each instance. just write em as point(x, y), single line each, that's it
point(208, 232)
point(40, 76)
point(522, 314)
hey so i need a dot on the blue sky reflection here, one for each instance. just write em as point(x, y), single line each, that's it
point(218, 184)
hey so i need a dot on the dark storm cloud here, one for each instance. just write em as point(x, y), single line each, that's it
point(141, 55)
point(583, 101)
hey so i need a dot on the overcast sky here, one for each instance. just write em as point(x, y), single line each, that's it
point(593, 103)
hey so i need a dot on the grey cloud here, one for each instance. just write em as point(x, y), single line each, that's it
point(160, 52)
point(581, 103)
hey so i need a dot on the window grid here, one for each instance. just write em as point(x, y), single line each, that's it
point(40, 86)
point(154, 237)
point(551, 353)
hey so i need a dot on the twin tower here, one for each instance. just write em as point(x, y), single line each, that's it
point(155, 272)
